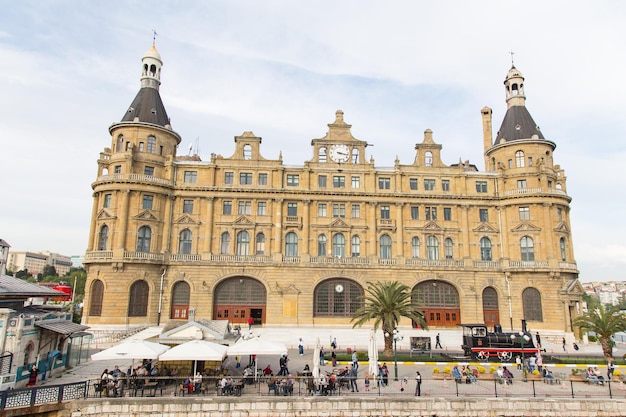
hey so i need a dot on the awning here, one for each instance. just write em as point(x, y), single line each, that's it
point(64, 327)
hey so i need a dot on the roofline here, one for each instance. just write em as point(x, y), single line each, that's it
point(517, 142)
point(118, 125)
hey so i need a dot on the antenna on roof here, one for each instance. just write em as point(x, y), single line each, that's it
point(512, 53)
point(154, 35)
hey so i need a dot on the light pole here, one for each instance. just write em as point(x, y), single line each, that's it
point(523, 338)
point(396, 337)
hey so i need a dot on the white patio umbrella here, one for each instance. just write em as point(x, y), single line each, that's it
point(372, 353)
point(195, 350)
point(131, 349)
point(316, 359)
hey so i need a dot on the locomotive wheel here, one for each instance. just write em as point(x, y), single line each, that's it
point(505, 356)
point(482, 355)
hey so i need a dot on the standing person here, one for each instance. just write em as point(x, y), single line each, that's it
point(355, 360)
point(238, 359)
point(32, 379)
point(333, 356)
point(333, 343)
point(283, 366)
point(385, 371)
point(367, 381)
point(352, 376)
point(322, 361)
point(518, 362)
point(538, 340)
point(301, 347)
point(610, 368)
point(250, 322)
point(564, 344)
point(438, 342)
point(418, 384)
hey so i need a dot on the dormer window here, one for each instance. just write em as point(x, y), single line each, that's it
point(428, 159)
point(247, 152)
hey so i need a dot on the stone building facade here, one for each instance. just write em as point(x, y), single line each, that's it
point(244, 235)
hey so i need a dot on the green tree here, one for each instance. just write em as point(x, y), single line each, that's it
point(23, 274)
point(49, 271)
point(386, 302)
point(604, 322)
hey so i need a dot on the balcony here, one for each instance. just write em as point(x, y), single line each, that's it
point(389, 224)
point(133, 178)
point(537, 190)
point(293, 221)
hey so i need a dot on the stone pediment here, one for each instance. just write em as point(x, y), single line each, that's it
point(146, 215)
point(526, 227)
point(186, 219)
point(105, 214)
point(243, 221)
point(562, 227)
point(485, 228)
point(433, 226)
point(338, 224)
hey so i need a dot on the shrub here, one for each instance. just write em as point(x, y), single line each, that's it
point(481, 370)
point(577, 371)
point(492, 369)
point(617, 373)
point(447, 370)
point(535, 372)
point(436, 370)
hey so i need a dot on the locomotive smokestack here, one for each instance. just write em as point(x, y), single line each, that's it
point(524, 325)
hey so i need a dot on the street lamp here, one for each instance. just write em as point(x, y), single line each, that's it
point(523, 338)
point(396, 338)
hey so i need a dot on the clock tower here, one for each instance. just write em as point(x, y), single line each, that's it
point(338, 146)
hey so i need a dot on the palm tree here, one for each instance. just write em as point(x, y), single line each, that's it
point(386, 302)
point(604, 322)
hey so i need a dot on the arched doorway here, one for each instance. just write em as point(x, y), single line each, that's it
point(440, 303)
point(491, 314)
point(180, 301)
point(238, 298)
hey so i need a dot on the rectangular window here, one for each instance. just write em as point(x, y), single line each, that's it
point(261, 208)
point(447, 213)
point(187, 206)
point(483, 214)
point(190, 177)
point(321, 181)
point(481, 186)
point(321, 210)
point(384, 183)
point(356, 182)
point(431, 213)
point(147, 202)
point(245, 178)
point(263, 179)
point(521, 183)
point(141, 146)
point(356, 211)
point(559, 214)
point(149, 171)
point(510, 163)
point(151, 144)
point(445, 185)
point(107, 200)
point(229, 177)
point(429, 184)
point(339, 210)
point(524, 213)
point(244, 207)
point(415, 213)
point(228, 207)
point(385, 212)
point(117, 169)
point(413, 183)
point(292, 209)
point(293, 180)
point(339, 181)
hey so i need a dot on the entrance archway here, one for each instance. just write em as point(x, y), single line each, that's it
point(238, 298)
point(491, 314)
point(440, 303)
point(180, 301)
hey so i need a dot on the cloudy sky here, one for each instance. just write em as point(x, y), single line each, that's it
point(281, 69)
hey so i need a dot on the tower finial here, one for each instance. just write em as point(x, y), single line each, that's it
point(154, 35)
point(512, 62)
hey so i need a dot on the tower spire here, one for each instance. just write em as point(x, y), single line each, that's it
point(154, 35)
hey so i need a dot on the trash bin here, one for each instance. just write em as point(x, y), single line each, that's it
point(349, 351)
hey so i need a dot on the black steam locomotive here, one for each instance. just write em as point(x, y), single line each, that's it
point(480, 344)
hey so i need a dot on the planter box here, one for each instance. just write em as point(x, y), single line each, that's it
point(441, 376)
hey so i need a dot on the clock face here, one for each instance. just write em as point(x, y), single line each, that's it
point(339, 153)
point(339, 288)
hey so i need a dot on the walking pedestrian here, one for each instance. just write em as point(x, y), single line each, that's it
point(250, 322)
point(355, 360)
point(238, 359)
point(564, 345)
point(518, 362)
point(333, 356)
point(301, 347)
point(322, 361)
point(438, 342)
point(418, 384)
point(333, 343)
point(538, 340)
point(353, 375)
point(610, 368)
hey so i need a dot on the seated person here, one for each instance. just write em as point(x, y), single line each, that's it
point(268, 371)
point(456, 374)
point(547, 374)
point(500, 375)
point(323, 384)
point(508, 376)
point(598, 375)
point(248, 375)
point(306, 371)
point(469, 375)
point(591, 376)
point(227, 386)
point(273, 384)
point(288, 385)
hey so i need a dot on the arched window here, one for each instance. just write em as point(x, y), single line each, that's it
point(415, 247)
point(95, 299)
point(447, 248)
point(527, 248)
point(356, 246)
point(120, 143)
point(439, 301)
point(180, 300)
point(339, 245)
point(428, 159)
point(519, 159)
point(563, 250)
point(151, 144)
point(184, 241)
point(531, 298)
point(103, 237)
point(291, 244)
point(337, 298)
point(260, 243)
point(485, 249)
point(225, 243)
point(432, 247)
point(28, 353)
point(321, 245)
point(143, 239)
point(491, 313)
point(247, 152)
point(138, 299)
point(385, 247)
point(243, 243)
point(321, 156)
